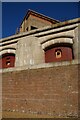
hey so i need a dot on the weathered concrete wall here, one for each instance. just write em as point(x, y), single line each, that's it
point(29, 52)
point(30, 49)
point(51, 91)
point(38, 22)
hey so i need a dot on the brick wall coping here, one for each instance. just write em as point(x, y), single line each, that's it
point(44, 65)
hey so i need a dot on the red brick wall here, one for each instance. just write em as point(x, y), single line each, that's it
point(7, 60)
point(46, 91)
point(65, 56)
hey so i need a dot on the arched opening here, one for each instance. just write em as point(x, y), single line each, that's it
point(59, 52)
point(7, 60)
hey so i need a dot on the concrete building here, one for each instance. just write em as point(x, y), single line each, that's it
point(48, 45)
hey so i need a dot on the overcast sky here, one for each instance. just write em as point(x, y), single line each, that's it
point(13, 13)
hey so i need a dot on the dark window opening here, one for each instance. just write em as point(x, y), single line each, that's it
point(32, 27)
point(27, 29)
point(8, 63)
point(58, 53)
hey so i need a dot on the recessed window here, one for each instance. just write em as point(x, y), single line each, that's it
point(8, 61)
point(27, 29)
point(32, 27)
point(58, 53)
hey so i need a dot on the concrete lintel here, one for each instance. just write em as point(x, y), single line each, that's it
point(69, 34)
point(58, 40)
point(7, 51)
point(10, 46)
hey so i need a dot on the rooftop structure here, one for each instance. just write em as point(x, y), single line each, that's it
point(33, 20)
